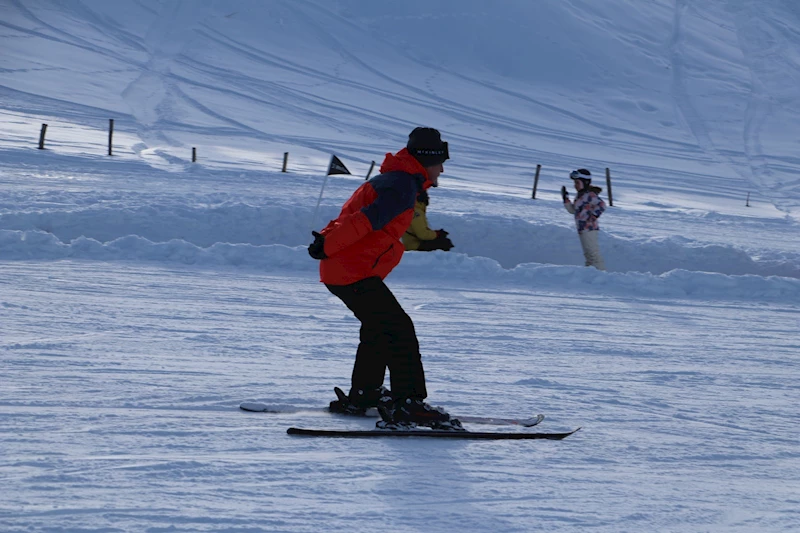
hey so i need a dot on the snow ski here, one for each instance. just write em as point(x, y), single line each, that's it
point(257, 407)
point(431, 433)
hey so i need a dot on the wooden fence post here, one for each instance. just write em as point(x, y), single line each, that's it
point(110, 134)
point(370, 171)
point(285, 160)
point(194, 154)
point(536, 182)
point(41, 136)
point(608, 186)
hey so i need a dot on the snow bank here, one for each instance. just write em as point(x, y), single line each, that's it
point(508, 241)
point(448, 268)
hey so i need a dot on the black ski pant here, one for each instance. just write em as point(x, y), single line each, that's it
point(388, 339)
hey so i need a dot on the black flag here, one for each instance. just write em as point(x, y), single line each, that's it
point(337, 167)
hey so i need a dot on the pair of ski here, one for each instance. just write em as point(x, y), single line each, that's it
point(435, 433)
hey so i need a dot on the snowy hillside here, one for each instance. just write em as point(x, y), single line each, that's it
point(692, 102)
point(144, 296)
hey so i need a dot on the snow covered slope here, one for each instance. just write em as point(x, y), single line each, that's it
point(143, 296)
point(692, 103)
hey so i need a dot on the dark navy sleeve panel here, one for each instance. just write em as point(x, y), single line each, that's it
point(396, 192)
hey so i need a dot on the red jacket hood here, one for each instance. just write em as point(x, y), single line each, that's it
point(405, 162)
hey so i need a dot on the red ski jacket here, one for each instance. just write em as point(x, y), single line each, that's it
point(364, 240)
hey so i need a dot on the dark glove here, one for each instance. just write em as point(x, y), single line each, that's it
point(445, 244)
point(439, 243)
point(564, 194)
point(317, 248)
point(440, 234)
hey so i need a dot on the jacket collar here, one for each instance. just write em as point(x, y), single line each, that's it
point(402, 161)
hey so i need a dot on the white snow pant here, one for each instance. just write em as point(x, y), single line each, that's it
point(591, 249)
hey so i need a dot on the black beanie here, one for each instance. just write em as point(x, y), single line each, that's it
point(427, 147)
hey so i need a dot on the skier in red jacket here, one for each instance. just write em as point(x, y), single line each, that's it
point(357, 251)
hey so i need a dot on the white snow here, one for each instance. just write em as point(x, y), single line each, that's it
point(143, 297)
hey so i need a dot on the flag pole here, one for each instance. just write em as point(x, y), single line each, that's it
point(325, 181)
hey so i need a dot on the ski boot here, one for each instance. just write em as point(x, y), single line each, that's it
point(358, 401)
point(409, 413)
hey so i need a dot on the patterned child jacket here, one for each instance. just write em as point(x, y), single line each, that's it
point(587, 209)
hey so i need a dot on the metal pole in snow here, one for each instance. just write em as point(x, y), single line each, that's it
point(608, 186)
point(110, 133)
point(536, 181)
point(41, 136)
point(314, 218)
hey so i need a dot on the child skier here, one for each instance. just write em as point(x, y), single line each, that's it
point(587, 208)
